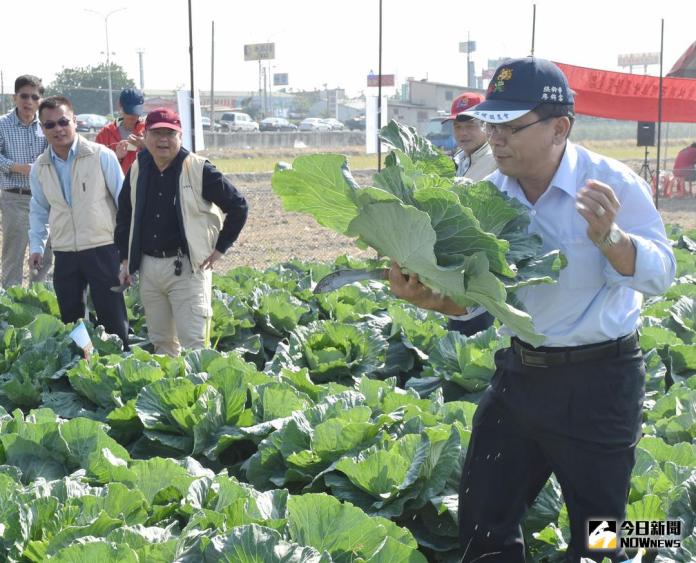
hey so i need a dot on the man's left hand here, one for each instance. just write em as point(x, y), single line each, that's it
point(210, 260)
point(598, 204)
point(137, 140)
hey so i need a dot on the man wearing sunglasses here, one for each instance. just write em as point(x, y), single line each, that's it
point(573, 406)
point(75, 186)
point(21, 142)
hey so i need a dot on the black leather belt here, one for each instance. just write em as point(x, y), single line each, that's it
point(548, 357)
point(164, 253)
point(22, 191)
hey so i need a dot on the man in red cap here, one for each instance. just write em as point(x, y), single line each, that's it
point(177, 216)
point(474, 158)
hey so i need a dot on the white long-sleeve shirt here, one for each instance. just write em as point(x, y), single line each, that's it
point(592, 302)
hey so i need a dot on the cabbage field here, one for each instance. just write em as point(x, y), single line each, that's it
point(320, 427)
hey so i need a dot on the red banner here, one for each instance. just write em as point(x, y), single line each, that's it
point(631, 97)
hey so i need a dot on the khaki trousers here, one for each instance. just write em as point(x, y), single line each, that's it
point(177, 308)
point(15, 239)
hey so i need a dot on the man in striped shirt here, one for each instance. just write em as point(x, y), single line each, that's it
point(21, 142)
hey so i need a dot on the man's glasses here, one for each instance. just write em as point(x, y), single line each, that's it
point(25, 96)
point(63, 122)
point(503, 130)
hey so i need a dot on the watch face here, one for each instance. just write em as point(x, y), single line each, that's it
point(614, 235)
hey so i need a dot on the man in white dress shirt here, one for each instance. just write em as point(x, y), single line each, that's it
point(572, 407)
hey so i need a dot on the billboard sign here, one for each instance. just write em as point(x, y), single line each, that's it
point(259, 51)
point(467, 46)
point(280, 79)
point(373, 80)
point(636, 59)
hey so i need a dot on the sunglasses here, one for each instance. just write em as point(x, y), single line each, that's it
point(26, 96)
point(63, 122)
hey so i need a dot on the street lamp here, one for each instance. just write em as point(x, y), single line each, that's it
point(108, 61)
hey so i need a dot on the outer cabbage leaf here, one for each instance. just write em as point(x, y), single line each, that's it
point(258, 544)
point(320, 185)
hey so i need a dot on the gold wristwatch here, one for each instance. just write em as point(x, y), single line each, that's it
point(613, 237)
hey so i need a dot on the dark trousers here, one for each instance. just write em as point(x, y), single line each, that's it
point(472, 326)
point(578, 421)
point(98, 269)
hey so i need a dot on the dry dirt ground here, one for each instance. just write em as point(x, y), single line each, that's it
point(273, 235)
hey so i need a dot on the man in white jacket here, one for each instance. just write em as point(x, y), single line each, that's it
point(474, 161)
point(473, 158)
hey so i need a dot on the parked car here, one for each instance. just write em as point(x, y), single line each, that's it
point(314, 124)
point(441, 134)
point(90, 122)
point(334, 123)
point(356, 123)
point(237, 121)
point(205, 120)
point(276, 124)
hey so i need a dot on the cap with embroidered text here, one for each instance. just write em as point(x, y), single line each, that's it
point(462, 103)
point(160, 118)
point(520, 85)
point(132, 100)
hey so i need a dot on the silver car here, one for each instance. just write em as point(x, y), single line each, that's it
point(314, 124)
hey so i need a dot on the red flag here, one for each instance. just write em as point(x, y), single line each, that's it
point(631, 97)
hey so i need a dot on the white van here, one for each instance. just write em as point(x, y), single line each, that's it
point(237, 121)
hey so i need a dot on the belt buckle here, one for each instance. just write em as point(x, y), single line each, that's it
point(529, 359)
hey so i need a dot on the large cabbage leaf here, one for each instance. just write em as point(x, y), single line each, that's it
point(467, 242)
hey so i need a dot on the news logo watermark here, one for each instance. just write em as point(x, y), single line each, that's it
point(610, 535)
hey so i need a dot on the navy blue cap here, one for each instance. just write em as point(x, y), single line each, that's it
point(132, 101)
point(520, 85)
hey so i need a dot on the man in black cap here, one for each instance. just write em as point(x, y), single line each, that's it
point(124, 136)
point(572, 407)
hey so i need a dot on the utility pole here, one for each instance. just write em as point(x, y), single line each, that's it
point(193, 113)
point(142, 69)
point(468, 59)
point(108, 53)
point(2, 92)
point(212, 77)
point(265, 90)
point(260, 95)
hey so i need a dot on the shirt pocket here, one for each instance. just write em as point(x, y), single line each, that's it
point(585, 267)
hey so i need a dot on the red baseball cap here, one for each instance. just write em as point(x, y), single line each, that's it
point(160, 118)
point(464, 102)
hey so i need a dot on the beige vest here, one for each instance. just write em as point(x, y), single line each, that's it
point(91, 220)
point(481, 163)
point(202, 219)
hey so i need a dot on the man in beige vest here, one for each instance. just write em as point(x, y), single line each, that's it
point(177, 216)
point(75, 185)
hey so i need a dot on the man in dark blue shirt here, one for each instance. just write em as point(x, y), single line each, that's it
point(177, 216)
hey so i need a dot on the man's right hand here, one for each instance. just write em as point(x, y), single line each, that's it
point(23, 169)
point(121, 149)
point(409, 288)
point(35, 262)
point(123, 275)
